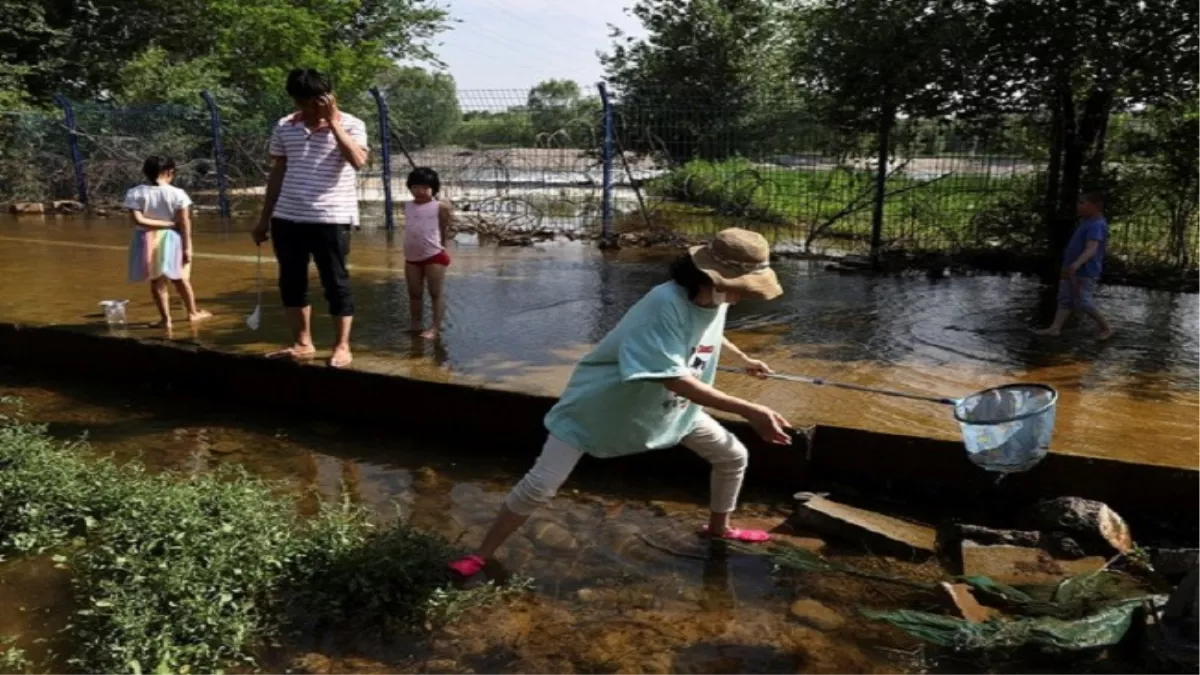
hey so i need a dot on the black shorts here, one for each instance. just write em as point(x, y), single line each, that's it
point(327, 245)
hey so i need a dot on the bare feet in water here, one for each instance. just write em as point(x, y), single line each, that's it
point(1105, 335)
point(429, 334)
point(341, 357)
point(296, 352)
point(1049, 332)
point(199, 316)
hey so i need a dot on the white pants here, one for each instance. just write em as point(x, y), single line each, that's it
point(707, 438)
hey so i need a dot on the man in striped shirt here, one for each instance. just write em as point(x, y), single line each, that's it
point(311, 205)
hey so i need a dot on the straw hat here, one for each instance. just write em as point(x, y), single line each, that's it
point(739, 260)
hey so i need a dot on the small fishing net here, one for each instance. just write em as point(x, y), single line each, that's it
point(1007, 429)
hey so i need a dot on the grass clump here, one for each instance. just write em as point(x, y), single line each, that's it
point(194, 574)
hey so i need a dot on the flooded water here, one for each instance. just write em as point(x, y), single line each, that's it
point(621, 583)
point(520, 317)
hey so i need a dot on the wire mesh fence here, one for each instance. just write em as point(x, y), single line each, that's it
point(512, 165)
point(34, 162)
point(531, 164)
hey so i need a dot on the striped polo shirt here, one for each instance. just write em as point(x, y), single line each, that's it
point(319, 186)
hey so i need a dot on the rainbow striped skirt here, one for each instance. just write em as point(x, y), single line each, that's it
point(154, 254)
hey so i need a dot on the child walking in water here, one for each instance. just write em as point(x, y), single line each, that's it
point(1083, 263)
point(426, 223)
point(161, 249)
point(644, 386)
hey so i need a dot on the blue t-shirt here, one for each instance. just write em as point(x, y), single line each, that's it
point(1091, 229)
point(615, 403)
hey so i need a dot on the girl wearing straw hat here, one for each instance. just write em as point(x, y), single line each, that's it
point(644, 385)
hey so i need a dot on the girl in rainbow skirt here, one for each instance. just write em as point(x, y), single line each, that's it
point(161, 249)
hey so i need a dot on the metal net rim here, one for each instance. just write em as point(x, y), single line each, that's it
point(1049, 405)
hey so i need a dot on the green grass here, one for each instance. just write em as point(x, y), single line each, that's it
point(836, 203)
point(940, 214)
point(195, 574)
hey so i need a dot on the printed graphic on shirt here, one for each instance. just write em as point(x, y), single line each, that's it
point(697, 362)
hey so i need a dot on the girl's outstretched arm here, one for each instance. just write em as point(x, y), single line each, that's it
point(140, 219)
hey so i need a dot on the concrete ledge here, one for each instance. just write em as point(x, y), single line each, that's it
point(927, 473)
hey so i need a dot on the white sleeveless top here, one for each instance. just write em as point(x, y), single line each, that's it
point(422, 232)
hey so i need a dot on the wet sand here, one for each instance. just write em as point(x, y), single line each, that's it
point(519, 318)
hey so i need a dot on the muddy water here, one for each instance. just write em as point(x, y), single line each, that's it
point(519, 318)
point(621, 582)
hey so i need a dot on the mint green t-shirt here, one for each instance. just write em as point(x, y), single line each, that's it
point(615, 403)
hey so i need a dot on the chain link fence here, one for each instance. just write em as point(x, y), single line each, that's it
point(522, 165)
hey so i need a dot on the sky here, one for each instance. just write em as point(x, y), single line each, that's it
point(514, 44)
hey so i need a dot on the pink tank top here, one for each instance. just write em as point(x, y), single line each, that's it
point(422, 232)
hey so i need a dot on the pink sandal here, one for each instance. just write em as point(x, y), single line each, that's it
point(468, 566)
point(735, 534)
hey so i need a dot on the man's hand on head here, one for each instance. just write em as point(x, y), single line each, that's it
point(327, 110)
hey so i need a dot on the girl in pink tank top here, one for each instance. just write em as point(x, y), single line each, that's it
point(426, 223)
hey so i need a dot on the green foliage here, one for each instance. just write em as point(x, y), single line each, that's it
point(703, 80)
point(867, 58)
point(29, 51)
point(423, 106)
point(154, 77)
point(83, 49)
point(12, 659)
point(1164, 183)
point(562, 115)
point(192, 575)
point(484, 129)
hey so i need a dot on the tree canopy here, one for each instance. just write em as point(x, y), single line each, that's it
point(700, 80)
point(424, 108)
point(105, 49)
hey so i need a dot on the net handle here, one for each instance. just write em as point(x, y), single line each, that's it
point(855, 387)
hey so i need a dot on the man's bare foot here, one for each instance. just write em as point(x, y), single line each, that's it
point(341, 357)
point(199, 316)
point(160, 324)
point(429, 334)
point(296, 352)
point(1050, 332)
point(1105, 335)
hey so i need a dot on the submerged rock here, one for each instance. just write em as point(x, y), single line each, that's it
point(813, 613)
point(27, 208)
point(225, 447)
point(554, 536)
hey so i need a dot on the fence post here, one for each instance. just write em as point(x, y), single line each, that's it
point(887, 120)
point(214, 123)
point(73, 144)
point(606, 155)
point(385, 151)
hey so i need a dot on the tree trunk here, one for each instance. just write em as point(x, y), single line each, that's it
point(1080, 138)
point(1095, 167)
point(1053, 168)
point(887, 120)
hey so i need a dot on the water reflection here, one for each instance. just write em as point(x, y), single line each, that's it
point(521, 317)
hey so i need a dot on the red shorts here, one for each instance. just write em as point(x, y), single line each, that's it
point(442, 258)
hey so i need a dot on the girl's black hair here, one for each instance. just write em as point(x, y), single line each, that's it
point(424, 175)
point(685, 273)
point(307, 83)
point(157, 165)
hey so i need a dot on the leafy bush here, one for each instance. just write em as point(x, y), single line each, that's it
point(176, 575)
